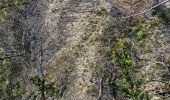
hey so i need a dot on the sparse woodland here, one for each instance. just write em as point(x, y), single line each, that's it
point(84, 50)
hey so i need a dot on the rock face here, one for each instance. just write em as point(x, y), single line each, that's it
point(62, 39)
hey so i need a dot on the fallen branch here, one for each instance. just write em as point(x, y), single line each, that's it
point(10, 56)
point(163, 92)
point(154, 81)
point(100, 90)
point(142, 12)
point(12, 5)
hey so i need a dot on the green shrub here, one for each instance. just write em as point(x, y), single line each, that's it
point(127, 82)
point(10, 89)
point(50, 89)
point(143, 28)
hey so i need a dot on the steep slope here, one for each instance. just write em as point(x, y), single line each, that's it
point(69, 42)
point(73, 65)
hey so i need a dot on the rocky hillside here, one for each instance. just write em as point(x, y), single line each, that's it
point(85, 50)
